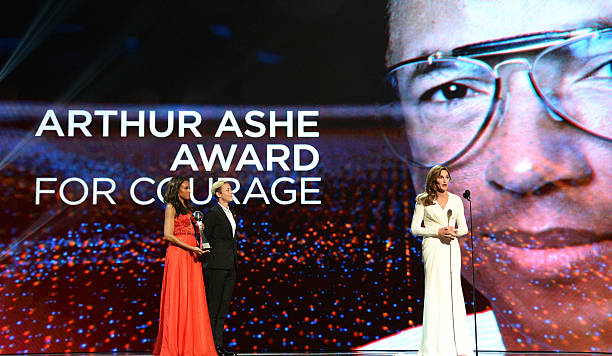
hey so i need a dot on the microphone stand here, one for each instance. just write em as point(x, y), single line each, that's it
point(449, 213)
point(466, 195)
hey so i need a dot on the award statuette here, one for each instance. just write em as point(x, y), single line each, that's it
point(204, 244)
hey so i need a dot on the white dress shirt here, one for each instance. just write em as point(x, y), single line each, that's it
point(230, 217)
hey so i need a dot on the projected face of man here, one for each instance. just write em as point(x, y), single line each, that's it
point(540, 188)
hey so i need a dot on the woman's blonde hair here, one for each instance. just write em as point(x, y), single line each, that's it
point(217, 187)
point(429, 195)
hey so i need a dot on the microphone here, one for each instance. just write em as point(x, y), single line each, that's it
point(449, 213)
point(466, 195)
point(199, 217)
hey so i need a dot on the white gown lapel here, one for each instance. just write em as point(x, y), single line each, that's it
point(439, 215)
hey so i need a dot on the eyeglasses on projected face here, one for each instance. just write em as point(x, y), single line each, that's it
point(460, 92)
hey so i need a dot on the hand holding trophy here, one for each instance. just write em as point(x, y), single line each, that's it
point(204, 244)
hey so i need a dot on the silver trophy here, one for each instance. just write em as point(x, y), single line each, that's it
point(204, 244)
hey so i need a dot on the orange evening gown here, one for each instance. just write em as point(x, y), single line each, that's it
point(184, 324)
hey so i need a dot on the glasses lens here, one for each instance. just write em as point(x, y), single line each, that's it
point(575, 78)
point(444, 104)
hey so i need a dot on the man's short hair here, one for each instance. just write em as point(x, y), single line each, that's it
point(216, 186)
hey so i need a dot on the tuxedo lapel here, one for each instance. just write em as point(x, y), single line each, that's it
point(224, 217)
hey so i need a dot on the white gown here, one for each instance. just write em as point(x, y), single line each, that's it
point(444, 323)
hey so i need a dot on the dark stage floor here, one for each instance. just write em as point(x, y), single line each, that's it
point(354, 353)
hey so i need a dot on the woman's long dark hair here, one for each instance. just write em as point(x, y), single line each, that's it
point(172, 197)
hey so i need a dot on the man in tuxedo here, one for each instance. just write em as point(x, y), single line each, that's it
point(222, 263)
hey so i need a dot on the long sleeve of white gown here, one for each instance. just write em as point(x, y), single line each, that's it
point(461, 223)
point(417, 219)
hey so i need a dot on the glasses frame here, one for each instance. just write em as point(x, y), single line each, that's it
point(549, 41)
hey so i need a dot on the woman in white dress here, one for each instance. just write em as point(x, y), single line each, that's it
point(437, 212)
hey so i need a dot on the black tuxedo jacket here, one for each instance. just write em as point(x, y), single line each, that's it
point(218, 231)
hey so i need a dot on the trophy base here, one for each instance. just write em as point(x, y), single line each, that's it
point(206, 246)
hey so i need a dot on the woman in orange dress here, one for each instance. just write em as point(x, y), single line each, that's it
point(184, 325)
